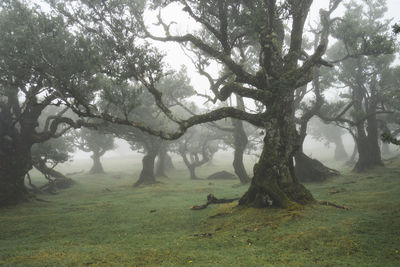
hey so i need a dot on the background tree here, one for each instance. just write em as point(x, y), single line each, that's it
point(196, 148)
point(46, 156)
point(281, 69)
point(95, 142)
point(41, 64)
point(329, 133)
point(363, 32)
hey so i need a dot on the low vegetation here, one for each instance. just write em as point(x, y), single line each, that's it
point(102, 220)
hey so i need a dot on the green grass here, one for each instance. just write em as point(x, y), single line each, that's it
point(103, 221)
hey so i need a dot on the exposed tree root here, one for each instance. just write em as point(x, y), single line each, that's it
point(211, 199)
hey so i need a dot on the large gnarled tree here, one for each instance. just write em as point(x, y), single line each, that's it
point(118, 28)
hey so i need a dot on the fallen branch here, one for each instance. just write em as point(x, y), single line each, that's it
point(327, 203)
point(211, 199)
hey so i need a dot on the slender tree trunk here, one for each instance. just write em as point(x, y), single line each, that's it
point(275, 182)
point(190, 165)
point(97, 166)
point(147, 174)
point(60, 182)
point(14, 165)
point(340, 152)
point(169, 165)
point(192, 171)
point(351, 161)
point(240, 141)
point(240, 144)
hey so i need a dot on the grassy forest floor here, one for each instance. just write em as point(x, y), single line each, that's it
point(103, 221)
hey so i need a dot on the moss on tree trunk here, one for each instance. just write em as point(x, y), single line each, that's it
point(275, 182)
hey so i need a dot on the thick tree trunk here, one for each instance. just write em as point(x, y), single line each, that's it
point(369, 155)
point(161, 165)
point(14, 165)
point(240, 142)
point(147, 174)
point(311, 170)
point(97, 166)
point(275, 182)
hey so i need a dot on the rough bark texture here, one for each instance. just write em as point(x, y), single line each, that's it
point(311, 170)
point(14, 165)
point(97, 166)
point(275, 182)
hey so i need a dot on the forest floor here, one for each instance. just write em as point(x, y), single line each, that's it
point(103, 221)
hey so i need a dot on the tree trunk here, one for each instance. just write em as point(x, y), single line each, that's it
point(97, 166)
point(60, 182)
point(192, 171)
point(240, 141)
point(275, 182)
point(147, 174)
point(311, 170)
point(369, 155)
point(14, 165)
point(161, 162)
point(340, 152)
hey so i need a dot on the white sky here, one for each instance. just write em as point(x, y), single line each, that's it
point(175, 57)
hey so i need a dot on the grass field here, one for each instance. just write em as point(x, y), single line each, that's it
point(103, 221)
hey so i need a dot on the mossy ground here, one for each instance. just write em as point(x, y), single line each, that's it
point(103, 221)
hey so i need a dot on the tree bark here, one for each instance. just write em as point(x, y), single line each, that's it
point(240, 144)
point(275, 182)
point(97, 167)
point(147, 174)
point(369, 154)
point(15, 162)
